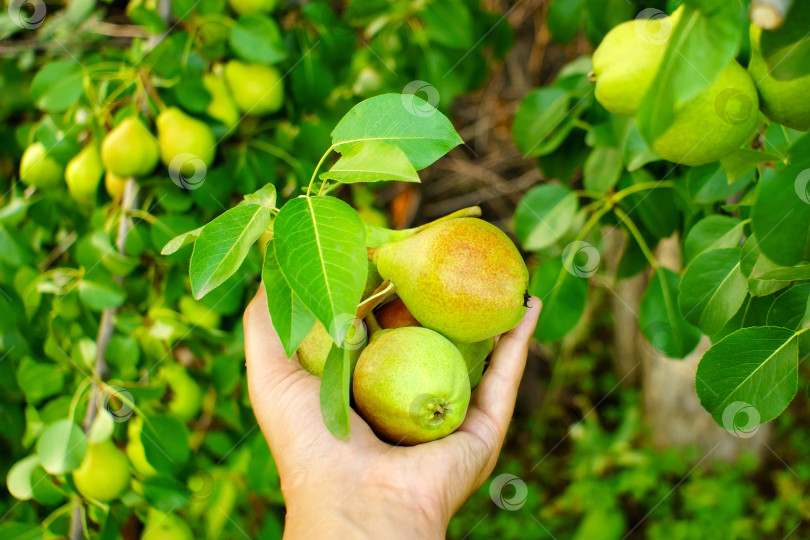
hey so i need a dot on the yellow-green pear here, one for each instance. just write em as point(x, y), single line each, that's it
point(114, 185)
point(104, 473)
point(257, 89)
point(314, 349)
point(135, 450)
point(253, 7)
point(411, 385)
point(130, 149)
point(184, 141)
point(185, 395)
point(626, 61)
point(83, 174)
point(714, 123)
point(38, 169)
point(786, 102)
point(463, 278)
point(197, 314)
point(165, 526)
point(222, 106)
point(475, 356)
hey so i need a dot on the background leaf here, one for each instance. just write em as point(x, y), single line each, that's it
point(544, 215)
point(660, 320)
point(372, 161)
point(712, 289)
point(563, 296)
point(61, 447)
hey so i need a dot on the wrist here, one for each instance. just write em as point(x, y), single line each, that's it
point(357, 511)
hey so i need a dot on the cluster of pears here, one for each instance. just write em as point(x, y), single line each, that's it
point(713, 123)
point(131, 150)
point(459, 283)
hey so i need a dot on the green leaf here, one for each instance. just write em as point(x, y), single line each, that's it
point(635, 152)
point(543, 121)
point(334, 396)
point(57, 86)
point(223, 244)
point(320, 245)
point(266, 196)
point(781, 215)
point(99, 291)
point(18, 480)
point(786, 48)
point(754, 263)
point(799, 272)
point(181, 241)
point(257, 39)
point(9, 250)
point(700, 47)
point(165, 442)
point(712, 232)
point(791, 309)
point(39, 380)
point(402, 120)
point(372, 161)
point(655, 208)
point(564, 19)
point(165, 493)
point(544, 215)
point(563, 295)
point(449, 23)
point(602, 169)
point(709, 183)
point(61, 447)
point(661, 322)
point(291, 319)
point(752, 371)
point(712, 290)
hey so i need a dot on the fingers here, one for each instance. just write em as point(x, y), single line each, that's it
point(494, 400)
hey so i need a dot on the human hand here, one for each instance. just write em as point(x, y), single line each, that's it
point(364, 486)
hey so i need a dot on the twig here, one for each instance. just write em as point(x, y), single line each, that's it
point(769, 14)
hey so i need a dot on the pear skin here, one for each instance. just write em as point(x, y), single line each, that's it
point(463, 278)
point(104, 473)
point(165, 526)
point(83, 175)
point(179, 136)
point(222, 106)
point(314, 349)
point(411, 385)
point(38, 169)
point(114, 185)
point(394, 314)
point(257, 89)
point(782, 101)
point(715, 122)
point(253, 7)
point(130, 149)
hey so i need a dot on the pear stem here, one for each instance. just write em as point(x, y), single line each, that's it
point(372, 324)
point(379, 295)
point(472, 211)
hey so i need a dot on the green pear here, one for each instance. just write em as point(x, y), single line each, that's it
point(135, 450)
point(130, 149)
point(186, 139)
point(411, 385)
point(253, 7)
point(197, 314)
point(475, 356)
point(185, 399)
point(165, 526)
point(314, 349)
point(715, 122)
point(38, 169)
point(83, 174)
point(627, 60)
point(114, 185)
point(104, 473)
point(222, 106)
point(463, 278)
point(783, 101)
point(257, 89)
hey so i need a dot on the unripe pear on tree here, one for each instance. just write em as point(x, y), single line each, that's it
point(183, 141)
point(253, 7)
point(104, 473)
point(222, 106)
point(257, 89)
point(130, 149)
point(83, 174)
point(38, 169)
